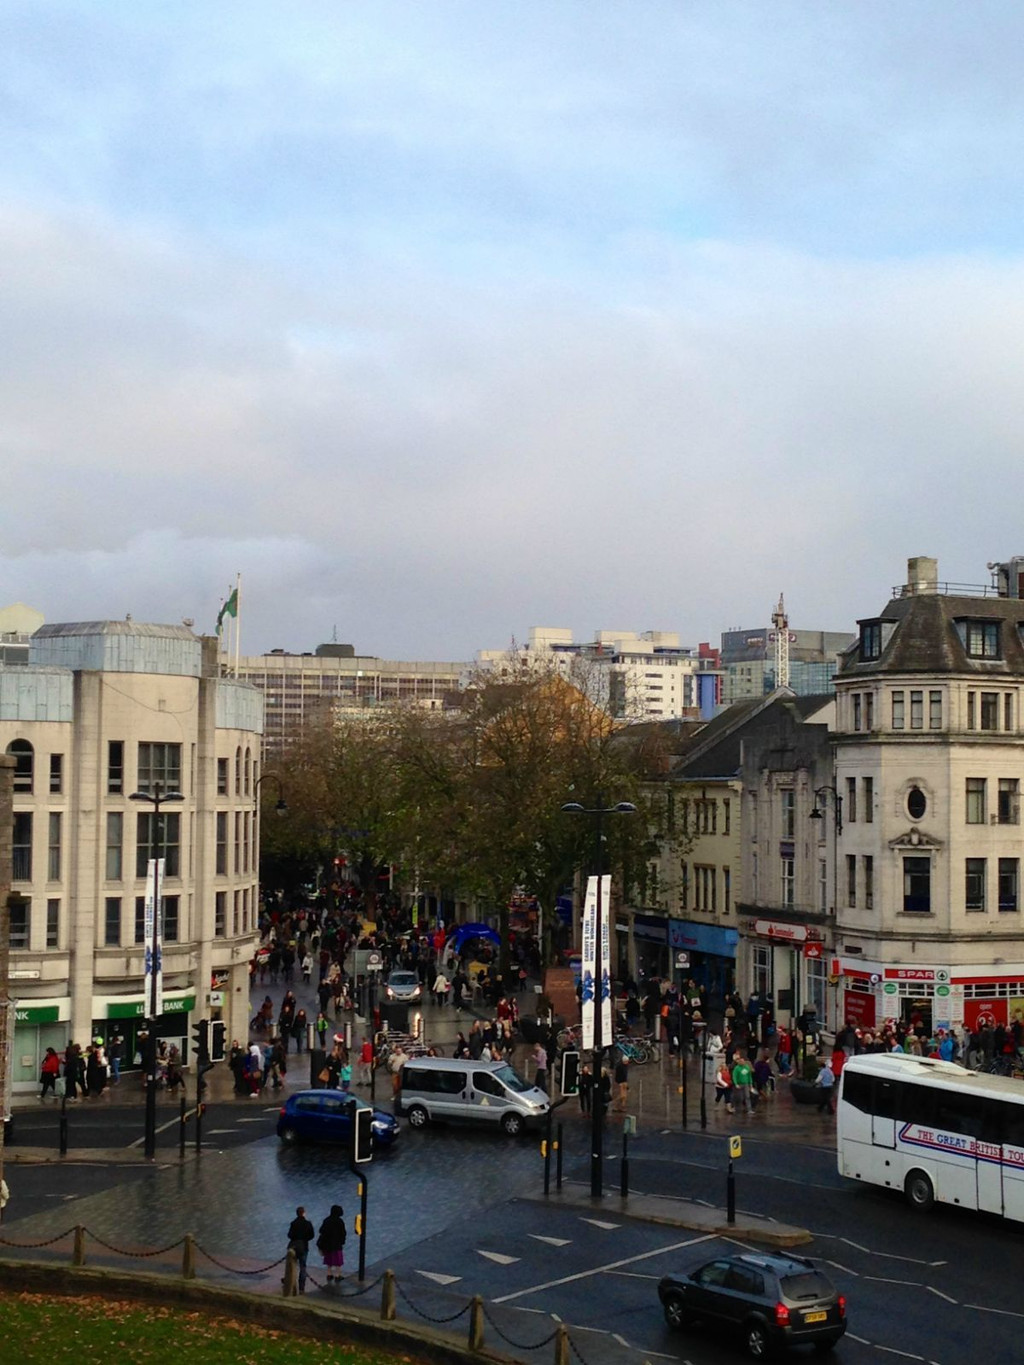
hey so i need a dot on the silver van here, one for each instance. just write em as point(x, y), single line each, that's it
point(480, 1092)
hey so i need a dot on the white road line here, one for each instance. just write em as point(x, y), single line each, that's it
point(551, 1241)
point(498, 1257)
point(597, 1223)
point(863, 1341)
point(889, 1255)
point(171, 1123)
point(438, 1278)
point(883, 1279)
point(582, 1327)
point(603, 1269)
point(1003, 1312)
point(844, 1268)
point(948, 1297)
point(905, 1355)
point(621, 1340)
point(657, 1355)
point(634, 1275)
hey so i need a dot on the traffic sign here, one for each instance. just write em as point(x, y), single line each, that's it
point(374, 962)
point(735, 1148)
point(682, 959)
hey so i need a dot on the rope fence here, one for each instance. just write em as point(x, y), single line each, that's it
point(391, 1291)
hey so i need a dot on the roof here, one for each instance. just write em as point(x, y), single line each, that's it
point(718, 748)
point(923, 637)
point(126, 627)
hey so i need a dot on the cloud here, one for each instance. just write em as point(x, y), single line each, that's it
point(443, 329)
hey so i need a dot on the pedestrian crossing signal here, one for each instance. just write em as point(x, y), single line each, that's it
point(362, 1136)
point(735, 1148)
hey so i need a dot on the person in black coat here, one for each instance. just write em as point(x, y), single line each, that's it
point(330, 1242)
point(300, 1234)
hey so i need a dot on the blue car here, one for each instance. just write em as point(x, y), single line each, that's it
point(323, 1116)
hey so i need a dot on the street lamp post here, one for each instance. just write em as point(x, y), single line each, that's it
point(601, 987)
point(157, 798)
point(822, 794)
point(702, 1025)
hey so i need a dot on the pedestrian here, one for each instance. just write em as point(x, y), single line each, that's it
point(723, 1086)
point(441, 988)
point(321, 1026)
point(115, 1053)
point(743, 1081)
point(827, 1083)
point(300, 1028)
point(365, 1062)
point(586, 1088)
point(330, 1242)
point(622, 1083)
point(540, 1061)
point(48, 1073)
point(300, 1234)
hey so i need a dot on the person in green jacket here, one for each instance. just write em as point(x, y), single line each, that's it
point(742, 1081)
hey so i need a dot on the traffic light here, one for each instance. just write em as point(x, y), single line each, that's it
point(362, 1136)
point(217, 1032)
point(570, 1073)
point(201, 1042)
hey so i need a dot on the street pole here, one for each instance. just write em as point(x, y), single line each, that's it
point(157, 798)
point(703, 1076)
point(597, 1115)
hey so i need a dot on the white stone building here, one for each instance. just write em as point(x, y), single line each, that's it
point(929, 762)
point(103, 710)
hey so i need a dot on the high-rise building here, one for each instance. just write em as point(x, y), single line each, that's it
point(748, 662)
point(101, 711)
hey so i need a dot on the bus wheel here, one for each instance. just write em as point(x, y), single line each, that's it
point(919, 1192)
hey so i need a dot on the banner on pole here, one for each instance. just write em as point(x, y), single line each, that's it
point(153, 931)
point(588, 962)
point(606, 961)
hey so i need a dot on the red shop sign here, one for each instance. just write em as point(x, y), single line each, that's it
point(814, 950)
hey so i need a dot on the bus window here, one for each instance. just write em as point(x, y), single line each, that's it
point(856, 1090)
point(958, 1113)
point(917, 1105)
point(1012, 1124)
point(885, 1098)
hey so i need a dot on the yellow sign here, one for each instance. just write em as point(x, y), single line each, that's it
point(735, 1148)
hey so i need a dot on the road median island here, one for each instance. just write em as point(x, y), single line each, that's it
point(678, 1213)
point(329, 1323)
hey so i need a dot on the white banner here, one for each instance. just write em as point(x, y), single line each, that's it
point(605, 976)
point(588, 961)
point(153, 931)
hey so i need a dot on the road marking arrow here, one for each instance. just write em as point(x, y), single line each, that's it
point(551, 1241)
point(439, 1278)
point(498, 1257)
point(596, 1222)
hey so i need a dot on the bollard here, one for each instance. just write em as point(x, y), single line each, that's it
point(558, 1160)
point(545, 1148)
point(182, 1122)
point(200, 1111)
point(561, 1345)
point(188, 1257)
point(290, 1282)
point(476, 1324)
point(78, 1255)
point(388, 1311)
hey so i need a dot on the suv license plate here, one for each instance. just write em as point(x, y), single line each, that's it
point(815, 1317)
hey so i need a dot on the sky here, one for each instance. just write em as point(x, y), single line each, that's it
point(437, 321)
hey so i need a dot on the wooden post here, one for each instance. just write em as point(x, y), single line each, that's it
point(476, 1324)
point(561, 1345)
point(290, 1282)
point(188, 1258)
point(78, 1255)
point(388, 1311)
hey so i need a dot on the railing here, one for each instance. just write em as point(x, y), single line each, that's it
point(480, 1314)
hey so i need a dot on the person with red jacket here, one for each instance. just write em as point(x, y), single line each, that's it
point(48, 1073)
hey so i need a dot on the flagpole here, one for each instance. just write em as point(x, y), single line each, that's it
point(238, 619)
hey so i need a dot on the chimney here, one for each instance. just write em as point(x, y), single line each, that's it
point(922, 575)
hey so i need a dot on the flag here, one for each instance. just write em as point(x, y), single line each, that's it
point(230, 608)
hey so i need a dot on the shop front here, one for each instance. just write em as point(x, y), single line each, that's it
point(788, 966)
point(707, 954)
point(650, 945)
point(38, 1024)
point(125, 1015)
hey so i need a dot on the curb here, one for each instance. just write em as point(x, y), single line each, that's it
point(676, 1213)
point(298, 1318)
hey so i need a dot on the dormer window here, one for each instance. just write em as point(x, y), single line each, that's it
point(871, 640)
point(980, 639)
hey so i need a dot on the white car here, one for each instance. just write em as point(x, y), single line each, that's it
point(402, 985)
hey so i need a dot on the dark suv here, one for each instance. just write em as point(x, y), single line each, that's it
point(771, 1300)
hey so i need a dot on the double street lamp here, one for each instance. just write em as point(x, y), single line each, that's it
point(157, 798)
point(601, 990)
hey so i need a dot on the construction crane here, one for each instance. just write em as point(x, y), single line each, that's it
point(781, 637)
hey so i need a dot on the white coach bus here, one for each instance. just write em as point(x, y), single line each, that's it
point(934, 1131)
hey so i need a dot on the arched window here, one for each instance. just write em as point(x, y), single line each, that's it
point(238, 771)
point(248, 772)
point(24, 760)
